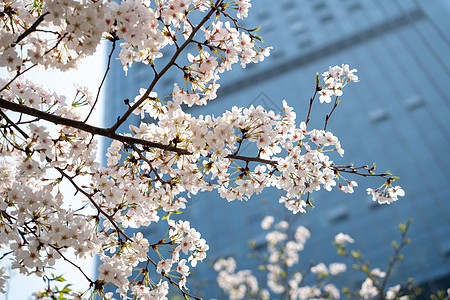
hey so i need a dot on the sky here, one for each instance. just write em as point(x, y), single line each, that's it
point(89, 74)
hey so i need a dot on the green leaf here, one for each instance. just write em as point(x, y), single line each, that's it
point(356, 254)
point(258, 38)
point(59, 278)
point(166, 216)
point(262, 268)
point(395, 245)
point(255, 29)
point(66, 289)
point(252, 244)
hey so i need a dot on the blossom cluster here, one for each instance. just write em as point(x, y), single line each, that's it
point(387, 195)
point(335, 80)
point(282, 267)
point(215, 143)
point(369, 291)
point(74, 29)
point(285, 277)
point(237, 284)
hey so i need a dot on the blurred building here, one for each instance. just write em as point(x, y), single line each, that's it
point(395, 116)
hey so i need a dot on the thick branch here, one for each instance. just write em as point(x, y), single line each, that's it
point(85, 127)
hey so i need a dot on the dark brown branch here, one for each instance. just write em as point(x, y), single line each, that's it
point(85, 127)
point(18, 73)
point(72, 263)
point(6, 254)
point(131, 140)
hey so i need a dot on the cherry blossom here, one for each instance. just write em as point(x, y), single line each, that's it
point(289, 279)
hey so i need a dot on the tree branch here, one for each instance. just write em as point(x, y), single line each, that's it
point(85, 127)
point(13, 124)
point(30, 29)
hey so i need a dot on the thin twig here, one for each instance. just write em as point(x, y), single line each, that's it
point(97, 207)
point(103, 80)
point(141, 156)
point(336, 103)
point(311, 100)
